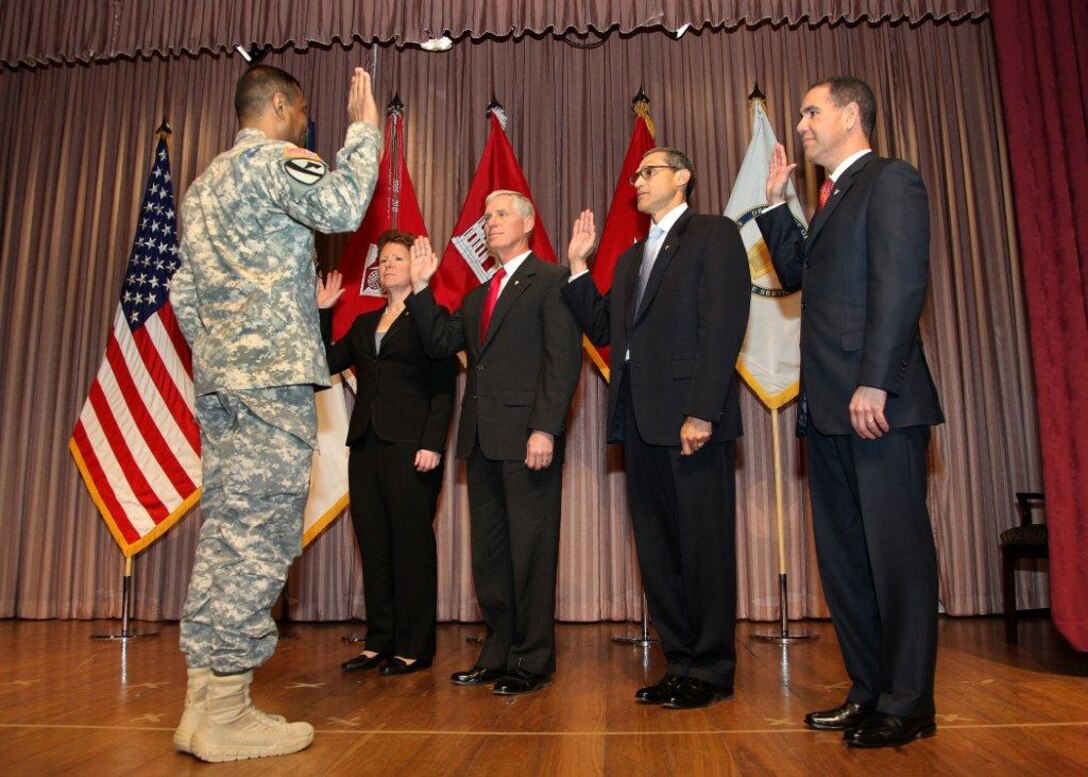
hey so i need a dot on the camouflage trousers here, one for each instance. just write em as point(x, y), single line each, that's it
point(256, 446)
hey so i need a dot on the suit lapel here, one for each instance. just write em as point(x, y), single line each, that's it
point(367, 328)
point(842, 185)
point(398, 325)
point(515, 287)
point(664, 257)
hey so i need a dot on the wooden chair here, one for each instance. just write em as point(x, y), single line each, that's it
point(1028, 540)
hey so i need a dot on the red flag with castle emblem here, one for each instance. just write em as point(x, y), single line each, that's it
point(465, 263)
point(624, 225)
point(393, 206)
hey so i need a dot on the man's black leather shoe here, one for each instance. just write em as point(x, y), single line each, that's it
point(846, 716)
point(883, 730)
point(362, 662)
point(477, 675)
point(691, 693)
point(397, 666)
point(520, 681)
point(660, 692)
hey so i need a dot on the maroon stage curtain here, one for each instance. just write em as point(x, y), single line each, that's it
point(1043, 66)
point(39, 32)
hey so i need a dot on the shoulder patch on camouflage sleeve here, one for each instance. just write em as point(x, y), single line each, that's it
point(307, 171)
point(298, 151)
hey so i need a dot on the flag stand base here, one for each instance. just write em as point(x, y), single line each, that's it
point(784, 637)
point(126, 633)
point(643, 638)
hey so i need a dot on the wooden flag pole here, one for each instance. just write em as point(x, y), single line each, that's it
point(783, 637)
point(640, 104)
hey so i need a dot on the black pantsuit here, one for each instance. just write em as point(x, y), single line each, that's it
point(403, 405)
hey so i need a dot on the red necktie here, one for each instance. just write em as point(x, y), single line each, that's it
point(489, 303)
point(825, 194)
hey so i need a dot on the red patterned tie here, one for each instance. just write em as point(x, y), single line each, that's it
point(825, 194)
point(489, 303)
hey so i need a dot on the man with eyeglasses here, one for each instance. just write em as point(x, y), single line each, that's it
point(675, 319)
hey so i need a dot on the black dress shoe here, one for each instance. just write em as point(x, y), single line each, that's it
point(520, 681)
point(660, 692)
point(691, 693)
point(846, 716)
point(477, 675)
point(396, 666)
point(883, 730)
point(362, 662)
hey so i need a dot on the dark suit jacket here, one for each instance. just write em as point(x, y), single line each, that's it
point(402, 393)
point(523, 376)
point(685, 338)
point(863, 268)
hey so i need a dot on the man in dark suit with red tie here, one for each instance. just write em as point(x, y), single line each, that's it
point(867, 404)
point(675, 319)
point(524, 359)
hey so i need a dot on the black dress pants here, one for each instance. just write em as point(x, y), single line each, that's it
point(393, 508)
point(683, 510)
point(515, 553)
point(878, 564)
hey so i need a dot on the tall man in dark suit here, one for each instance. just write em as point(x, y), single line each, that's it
point(867, 404)
point(675, 319)
point(524, 358)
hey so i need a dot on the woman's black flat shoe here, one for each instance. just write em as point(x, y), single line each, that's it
point(362, 662)
point(396, 666)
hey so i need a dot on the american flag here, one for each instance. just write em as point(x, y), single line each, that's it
point(136, 442)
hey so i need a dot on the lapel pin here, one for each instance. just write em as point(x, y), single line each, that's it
point(516, 282)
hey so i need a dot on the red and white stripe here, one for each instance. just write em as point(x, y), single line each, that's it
point(136, 440)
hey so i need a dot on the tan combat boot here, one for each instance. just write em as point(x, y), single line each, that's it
point(233, 729)
point(196, 701)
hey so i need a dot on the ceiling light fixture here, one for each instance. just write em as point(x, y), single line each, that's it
point(445, 43)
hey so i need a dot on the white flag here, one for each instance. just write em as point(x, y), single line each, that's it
point(329, 470)
point(770, 359)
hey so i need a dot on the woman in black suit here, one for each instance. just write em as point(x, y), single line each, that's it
point(397, 434)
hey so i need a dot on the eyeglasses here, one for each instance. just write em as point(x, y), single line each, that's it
point(647, 172)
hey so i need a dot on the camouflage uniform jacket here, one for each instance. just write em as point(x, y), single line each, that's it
point(245, 292)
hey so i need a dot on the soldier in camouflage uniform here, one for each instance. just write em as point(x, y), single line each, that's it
point(245, 298)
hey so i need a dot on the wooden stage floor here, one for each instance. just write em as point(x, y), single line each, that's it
point(70, 705)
